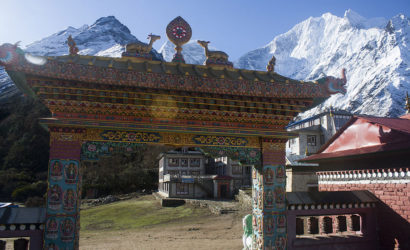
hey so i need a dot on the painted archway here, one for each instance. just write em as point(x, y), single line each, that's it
point(134, 99)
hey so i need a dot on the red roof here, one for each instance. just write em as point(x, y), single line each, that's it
point(398, 124)
point(358, 151)
point(406, 116)
point(355, 139)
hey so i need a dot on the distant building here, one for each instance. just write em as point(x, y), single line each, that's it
point(313, 133)
point(231, 174)
point(187, 173)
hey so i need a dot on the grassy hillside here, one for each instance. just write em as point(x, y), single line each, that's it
point(141, 223)
point(134, 214)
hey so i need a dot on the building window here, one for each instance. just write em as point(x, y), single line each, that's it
point(355, 224)
point(342, 225)
point(327, 225)
point(182, 188)
point(195, 162)
point(173, 172)
point(311, 140)
point(299, 226)
point(313, 225)
point(236, 169)
point(174, 162)
point(195, 172)
point(184, 162)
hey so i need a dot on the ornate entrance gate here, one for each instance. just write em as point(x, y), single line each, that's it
point(99, 104)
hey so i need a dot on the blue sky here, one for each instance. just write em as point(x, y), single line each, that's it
point(234, 26)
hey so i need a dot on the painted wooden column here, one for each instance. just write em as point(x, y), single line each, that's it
point(63, 194)
point(269, 197)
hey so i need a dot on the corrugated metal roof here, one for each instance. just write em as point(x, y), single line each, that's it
point(398, 124)
point(339, 197)
point(22, 215)
point(334, 112)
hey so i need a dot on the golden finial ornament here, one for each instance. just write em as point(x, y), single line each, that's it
point(73, 49)
point(271, 64)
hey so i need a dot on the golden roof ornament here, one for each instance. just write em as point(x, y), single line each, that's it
point(271, 64)
point(73, 49)
point(139, 49)
point(179, 32)
point(215, 58)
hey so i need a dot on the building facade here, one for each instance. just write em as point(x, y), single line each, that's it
point(182, 174)
point(313, 133)
point(188, 173)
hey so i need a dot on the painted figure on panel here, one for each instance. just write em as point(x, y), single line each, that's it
point(56, 171)
point(269, 225)
point(259, 242)
point(260, 226)
point(260, 180)
point(280, 242)
point(269, 199)
point(254, 222)
point(67, 230)
point(281, 223)
point(279, 197)
point(269, 176)
point(54, 197)
point(70, 172)
point(52, 246)
point(280, 174)
point(69, 200)
point(255, 196)
point(52, 228)
point(260, 200)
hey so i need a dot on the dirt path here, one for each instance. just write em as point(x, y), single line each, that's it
point(210, 232)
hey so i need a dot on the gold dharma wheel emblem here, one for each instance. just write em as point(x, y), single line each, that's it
point(179, 32)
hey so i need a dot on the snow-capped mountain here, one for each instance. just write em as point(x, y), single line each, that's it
point(375, 53)
point(193, 53)
point(106, 37)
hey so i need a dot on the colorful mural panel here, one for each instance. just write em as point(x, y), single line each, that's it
point(269, 207)
point(93, 150)
point(62, 204)
point(60, 232)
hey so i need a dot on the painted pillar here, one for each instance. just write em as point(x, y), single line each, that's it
point(269, 197)
point(63, 194)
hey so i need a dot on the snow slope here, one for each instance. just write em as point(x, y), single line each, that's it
point(375, 53)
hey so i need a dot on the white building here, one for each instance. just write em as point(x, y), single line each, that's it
point(313, 133)
point(187, 173)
